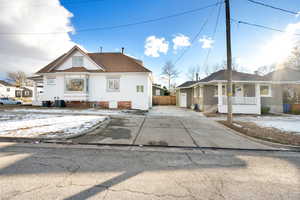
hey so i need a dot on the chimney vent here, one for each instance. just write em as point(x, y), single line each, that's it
point(122, 51)
point(197, 76)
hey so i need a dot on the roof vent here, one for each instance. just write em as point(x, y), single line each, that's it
point(122, 51)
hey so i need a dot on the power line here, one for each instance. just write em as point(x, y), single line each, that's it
point(119, 26)
point(61, 2)
point(194, 38)
point(273, 7)
point(213, 37)
point(260, 26)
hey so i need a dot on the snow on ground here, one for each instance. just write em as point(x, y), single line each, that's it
point(288, 123)
point(70, 111)
point(47, 125)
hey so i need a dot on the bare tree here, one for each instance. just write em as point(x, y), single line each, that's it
point(192, 72)
point(263, 70)
point(170, 72)
point(294, 59)
point(18, 77)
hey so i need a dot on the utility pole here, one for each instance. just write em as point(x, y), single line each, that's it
point(229, 63)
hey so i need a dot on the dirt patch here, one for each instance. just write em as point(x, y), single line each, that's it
point(158, 143)
point(268, 134)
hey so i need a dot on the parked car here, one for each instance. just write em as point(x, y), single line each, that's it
point(11, 101)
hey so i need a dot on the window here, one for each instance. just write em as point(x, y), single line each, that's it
point(139, 88)
point(26, 93)
point(75, 83)
point(7, 89)
point(265, 91)
point(50, 81)
point(77, 61)
point(113, 84)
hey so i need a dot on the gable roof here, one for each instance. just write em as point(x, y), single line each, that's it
point(187, 84)
point(285, 74)
point(6, 84)
point(107, 62)
point(236, 76)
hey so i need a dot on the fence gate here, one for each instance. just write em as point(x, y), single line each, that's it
point(164, 100)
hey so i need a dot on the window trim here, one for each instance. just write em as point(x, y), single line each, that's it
point(85, 82)
point(73, 61)
point(140, 88)
point(114, 79)
point(270, 90)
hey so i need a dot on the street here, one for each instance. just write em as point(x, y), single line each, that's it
point(48, 171)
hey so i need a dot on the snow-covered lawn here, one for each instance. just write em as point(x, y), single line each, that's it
point(288, 124)
point(70, 111)
point(48, 126)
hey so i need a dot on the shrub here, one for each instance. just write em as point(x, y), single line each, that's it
point(265, 110)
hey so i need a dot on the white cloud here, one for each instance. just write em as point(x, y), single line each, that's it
point(154, 46)
point(31, 52)
point(207, 42)
point(180, 41)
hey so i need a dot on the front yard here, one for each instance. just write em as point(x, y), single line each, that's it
point(278, 129)
point(29, 125)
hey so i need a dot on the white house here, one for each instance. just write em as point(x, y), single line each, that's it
point(7, 89)
point(110, 80)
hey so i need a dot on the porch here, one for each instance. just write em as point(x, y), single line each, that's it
point(246, 98)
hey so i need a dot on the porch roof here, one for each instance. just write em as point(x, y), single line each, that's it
point(236, 76)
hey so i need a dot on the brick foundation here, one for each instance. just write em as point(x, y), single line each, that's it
point(124, 104)
point(77, 104)
point(104, 104)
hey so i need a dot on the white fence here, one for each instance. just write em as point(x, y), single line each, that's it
point(240, 100)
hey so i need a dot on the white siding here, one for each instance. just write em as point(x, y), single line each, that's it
point(128, 83)
point(87, 63)
point(98, 89)
point(5, 93)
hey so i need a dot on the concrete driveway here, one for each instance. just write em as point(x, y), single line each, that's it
point(168, 125)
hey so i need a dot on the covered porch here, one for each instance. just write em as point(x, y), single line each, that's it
point(246, 98)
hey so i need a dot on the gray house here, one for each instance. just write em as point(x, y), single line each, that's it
point(251, 92)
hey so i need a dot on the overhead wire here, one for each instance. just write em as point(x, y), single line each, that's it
point(116, 26)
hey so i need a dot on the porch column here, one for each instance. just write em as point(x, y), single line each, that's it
point(34, 92)
point(220, 99)
point(258, 99)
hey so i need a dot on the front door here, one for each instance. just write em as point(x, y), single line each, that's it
point(183, 100)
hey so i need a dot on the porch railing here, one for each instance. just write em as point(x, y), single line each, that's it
point(240, 100)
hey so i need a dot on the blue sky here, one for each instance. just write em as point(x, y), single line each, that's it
point(248, 43)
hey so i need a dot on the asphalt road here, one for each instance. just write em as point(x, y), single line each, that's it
point(40, 171)
point(171, 126)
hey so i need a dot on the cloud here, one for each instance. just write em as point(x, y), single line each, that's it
point(180, 41)
point(154, 46)
point(207, 42)
point(31, 52)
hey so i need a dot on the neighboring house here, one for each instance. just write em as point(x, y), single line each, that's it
point(110, 80)
point(251, 92)
point(7, 89)
point(157, 90)
point(24, 92)
point(290, 80)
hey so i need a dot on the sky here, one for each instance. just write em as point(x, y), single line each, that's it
point(34, 32)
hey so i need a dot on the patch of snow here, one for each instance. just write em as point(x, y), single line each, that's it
point(283, 123)
point(70, 111)
point(49, 126)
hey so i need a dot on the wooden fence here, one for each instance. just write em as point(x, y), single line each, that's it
point(164, 100)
